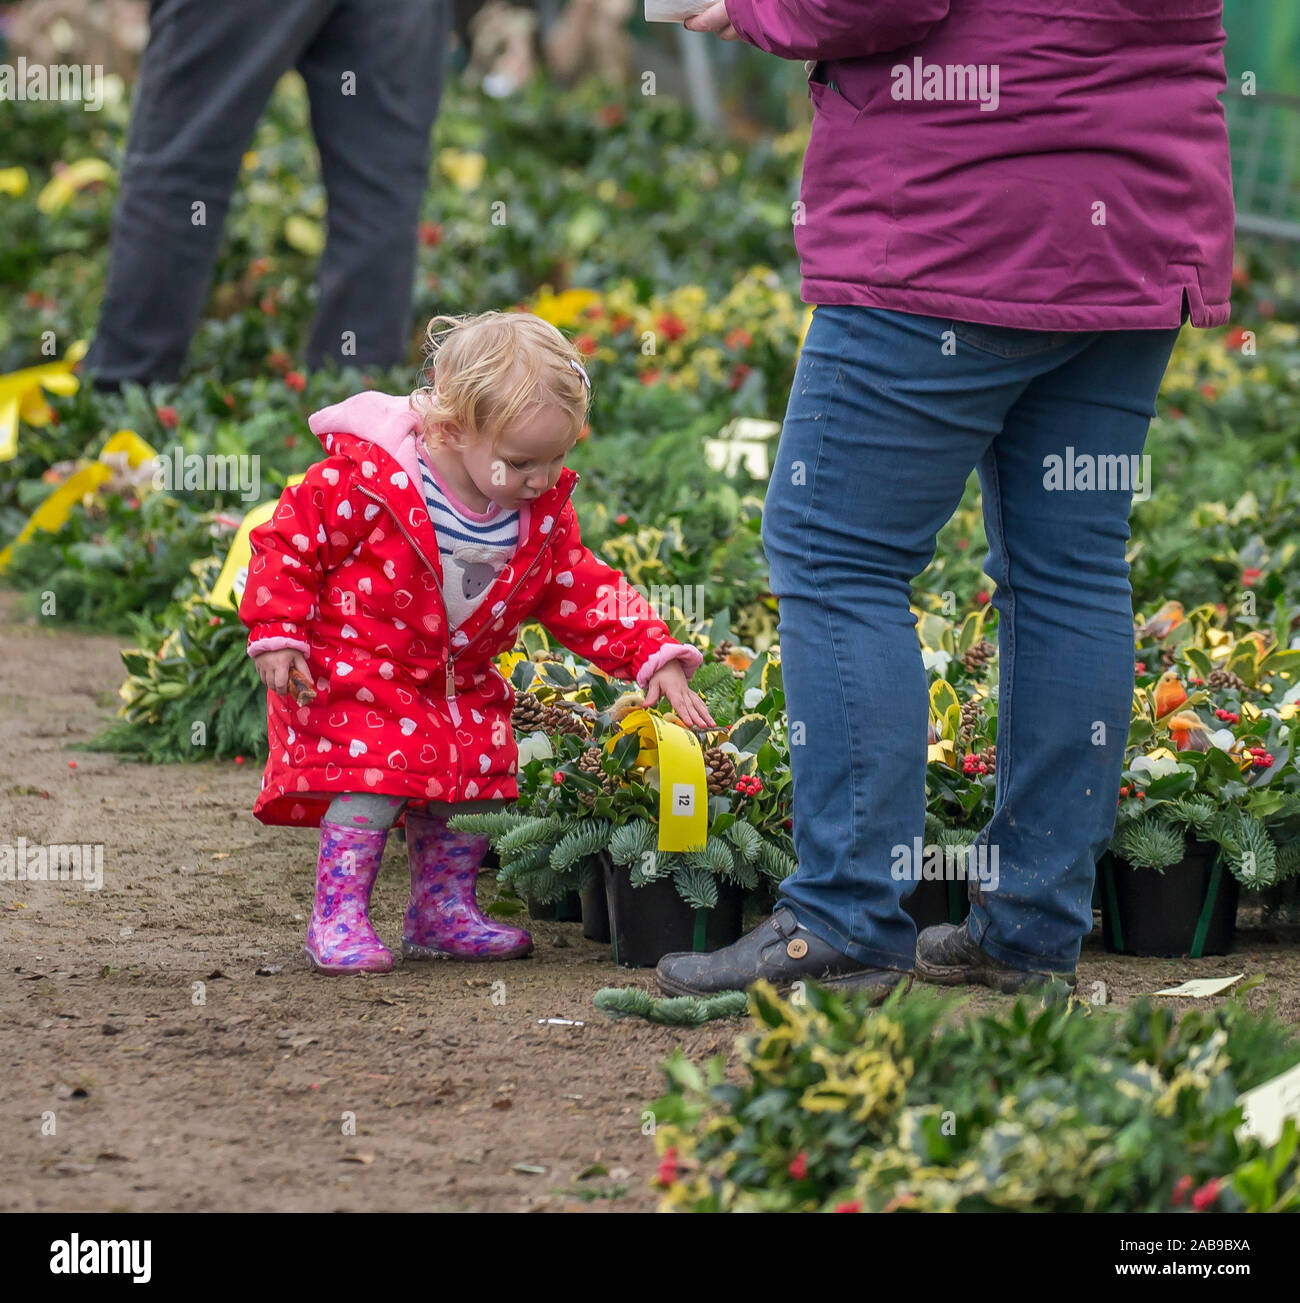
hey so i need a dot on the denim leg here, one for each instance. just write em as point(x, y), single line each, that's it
point(373, 136)
point(206, 75)
point(1065, 611)
point(882, 430)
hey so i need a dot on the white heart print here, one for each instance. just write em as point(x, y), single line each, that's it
point(400, 479)
point(356, 747)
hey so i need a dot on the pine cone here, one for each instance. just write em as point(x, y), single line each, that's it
point(555, 719)
point(975, 656)
point(971, 712)
point(723, 648)
point(1225, 679)
point(1167, 658)
point(720, 770)
point(589, 764)
point(527, 715)
point(990, 757)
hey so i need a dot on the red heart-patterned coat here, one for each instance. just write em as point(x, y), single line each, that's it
point(347, 571)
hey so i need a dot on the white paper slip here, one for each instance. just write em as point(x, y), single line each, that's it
point(1268, 1106)
point(674, 11)
point(1203, 986)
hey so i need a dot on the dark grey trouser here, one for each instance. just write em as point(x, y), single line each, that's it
point(207, 74)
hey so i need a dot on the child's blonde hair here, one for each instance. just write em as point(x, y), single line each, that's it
point(486, 371)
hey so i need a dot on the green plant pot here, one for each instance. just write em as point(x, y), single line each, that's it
point(1171, 913)
point(647, 923)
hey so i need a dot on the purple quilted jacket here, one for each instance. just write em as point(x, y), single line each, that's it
point(1049, 164)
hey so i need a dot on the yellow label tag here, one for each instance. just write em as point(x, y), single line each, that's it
point(683, 786)
point(229, 588)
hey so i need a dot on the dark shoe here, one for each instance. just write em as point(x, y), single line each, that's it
point(779, 951)
point(948, 956)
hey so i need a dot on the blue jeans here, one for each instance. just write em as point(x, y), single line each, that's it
point(888, 414)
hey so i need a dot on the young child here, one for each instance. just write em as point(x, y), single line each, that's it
point(387, 582)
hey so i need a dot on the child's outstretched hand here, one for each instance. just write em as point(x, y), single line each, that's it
point(275, 667)
point(671, 682)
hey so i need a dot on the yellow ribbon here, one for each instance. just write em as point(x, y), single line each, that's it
point(683, 786)
point(22, 397)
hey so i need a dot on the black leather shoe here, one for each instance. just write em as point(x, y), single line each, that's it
point(948, 956)
point(779, 951)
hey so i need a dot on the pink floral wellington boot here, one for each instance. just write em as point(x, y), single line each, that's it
point(443, 919)
point(339, 936)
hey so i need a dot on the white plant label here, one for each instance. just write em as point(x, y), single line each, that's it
point(1201, 987)
point(674, 11)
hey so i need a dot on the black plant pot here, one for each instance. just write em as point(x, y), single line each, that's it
point(568, 909)
point(1280, 905)
point(646, 923)
point(1167, 914)
point(595, 904)
point(937, 902)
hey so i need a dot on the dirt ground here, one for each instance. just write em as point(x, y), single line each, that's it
point(170, 1030)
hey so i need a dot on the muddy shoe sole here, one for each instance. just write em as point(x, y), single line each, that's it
point(844, 982)
point(1008, 981)
point(317, 966)
point(412, 951)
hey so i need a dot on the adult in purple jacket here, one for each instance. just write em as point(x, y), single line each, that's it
point(1008, 209)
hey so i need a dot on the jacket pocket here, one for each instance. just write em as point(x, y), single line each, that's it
point(1008, 341)
point(824, 91)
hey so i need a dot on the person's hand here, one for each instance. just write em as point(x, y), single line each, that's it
point(670, 682)
point(713, 19)
point(274, 667)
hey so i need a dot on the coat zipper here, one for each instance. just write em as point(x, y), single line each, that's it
point(450, 687)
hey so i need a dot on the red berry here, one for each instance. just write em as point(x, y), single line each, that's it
point(1181, 1189)
point(296, 381)
point(167, 416)
point(72, 764)
point(798, 1166)
point(239, 760)
point(557, 778)
point(1206, 1195)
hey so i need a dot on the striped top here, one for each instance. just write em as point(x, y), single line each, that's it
point(474, 546)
